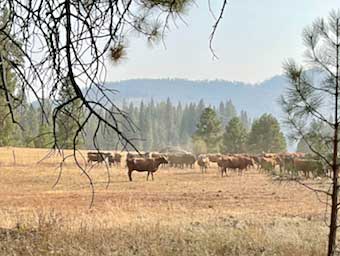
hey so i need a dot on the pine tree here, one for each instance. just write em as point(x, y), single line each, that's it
point(184, 135)
point(230, 111)
point(246, 121)
point(234, 137)
point(209, 130)
point(148, 133)
point(30, 125)
point(8, 51)
point(44, 139)
point(266, 136)
point(310, 99)
point(199, 147)
point(67, 122)
point(169, 122)
point(316, 135)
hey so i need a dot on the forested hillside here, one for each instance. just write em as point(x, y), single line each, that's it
point(162, 124)
point(162, 112)
point(256, 99)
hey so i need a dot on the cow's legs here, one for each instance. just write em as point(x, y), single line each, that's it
point(130, 175)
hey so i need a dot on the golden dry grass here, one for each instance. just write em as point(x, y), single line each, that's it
point(181, 212)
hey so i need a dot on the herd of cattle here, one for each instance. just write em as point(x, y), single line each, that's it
point(286, 163)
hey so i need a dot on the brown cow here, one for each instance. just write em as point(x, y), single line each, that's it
point(189, 160)
point(117, 157)
point(309, 166)
point(214, 157)
point(223, 164)
point(203, 162)
point(236, 162)
point(98, 157)
point(267, 163)
point(181, 160)
point(111, 160)
point(176, 160)
point(149, 165)
point(132, 155)
point(153, 154)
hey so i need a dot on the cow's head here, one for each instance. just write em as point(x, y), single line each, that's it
point(163, 160)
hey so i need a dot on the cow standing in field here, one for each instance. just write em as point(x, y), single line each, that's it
point(98, 157)
point(267, 163)
point(203, 162)
point(189, 160)
point(117, 159)
point(181, 160)
point(149, 165)
point(236, 162)
point(176, 160)
point(223, 165)
point(308, 167)
point(214, 157)
point(111, 160)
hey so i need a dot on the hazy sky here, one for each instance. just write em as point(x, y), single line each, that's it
point(252, 41)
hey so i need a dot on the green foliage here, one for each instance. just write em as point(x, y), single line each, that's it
point(265, 136)
point(8, 50)
point(177, 6)
point(246, 121)
point(227, 111)
point(318, 138)
point(313, 95)
point(199, 147)
point(44, 139)
point(209, 130)
point(234, 137)
point(152, 126)
point(310, 96)
point(68, 120)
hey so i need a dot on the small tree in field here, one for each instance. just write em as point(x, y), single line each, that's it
point(234, 137)
point(266, 136)
point(312, 95)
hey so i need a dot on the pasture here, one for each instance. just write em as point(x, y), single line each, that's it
point(181, 212)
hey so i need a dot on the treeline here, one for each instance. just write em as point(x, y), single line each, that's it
point(264, 135)
point(153, 126)
point(163, 124)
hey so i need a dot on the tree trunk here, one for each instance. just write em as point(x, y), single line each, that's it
point(334, 212)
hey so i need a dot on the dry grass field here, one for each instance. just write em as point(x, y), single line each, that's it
point(181, 212)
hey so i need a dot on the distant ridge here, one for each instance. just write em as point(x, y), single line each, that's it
point(256, 99)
